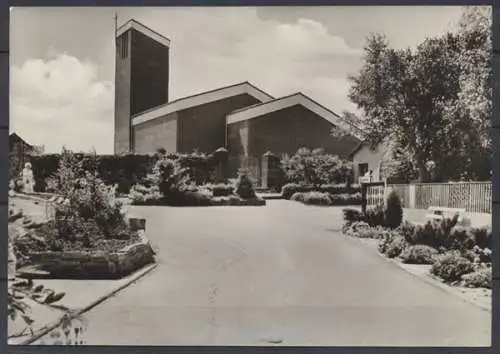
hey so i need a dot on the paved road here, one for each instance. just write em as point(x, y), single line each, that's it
point(276, 274)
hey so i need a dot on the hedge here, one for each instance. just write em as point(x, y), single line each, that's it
point(124, 170)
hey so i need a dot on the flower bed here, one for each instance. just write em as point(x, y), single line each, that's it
point(458, 254)
point(110, 261)
point(170, 184)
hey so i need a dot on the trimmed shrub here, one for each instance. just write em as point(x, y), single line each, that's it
point(345, 199)
point(419, 254)
point(290, 189)
point(451, 266)
point(316, 198)
point(244, 187)
point(222, 190)
point(340, 188)
point(352, 215)
point(123, 170)
point(481, 278)
point(298, 197)
point(393, 214)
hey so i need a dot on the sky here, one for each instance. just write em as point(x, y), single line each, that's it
point(62, 59)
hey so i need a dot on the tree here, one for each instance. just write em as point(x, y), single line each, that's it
point(432, 102)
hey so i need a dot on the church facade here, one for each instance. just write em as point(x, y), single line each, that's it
point(242, 118)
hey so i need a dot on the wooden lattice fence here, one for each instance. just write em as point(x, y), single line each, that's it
point(474, 197)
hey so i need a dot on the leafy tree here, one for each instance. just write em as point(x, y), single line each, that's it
point(316, 168)
point(432, 102)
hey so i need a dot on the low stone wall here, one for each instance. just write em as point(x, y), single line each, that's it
point(98, 264)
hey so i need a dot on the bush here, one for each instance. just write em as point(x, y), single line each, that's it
point(375, 216)
point(393, 215)
point(290, 189)
point(340, 189)
point(142, 195)
point(435, 233)
point(392, 244)
point(315, 198)
point(244, 187)
point(222, 190)
point(352, 215)
point(482, 237)
point(123, 170)
point(407, 230)
point(298, 197)
point(315, 168)
point(419, 254)
point(363, 230)
point(481, 278)
point(345, 199)
point(451, 266)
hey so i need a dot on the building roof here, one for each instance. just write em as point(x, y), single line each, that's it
point(200, 99)
point(133, 24)
point(295, 99)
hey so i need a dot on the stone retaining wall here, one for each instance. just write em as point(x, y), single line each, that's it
point(99, 264)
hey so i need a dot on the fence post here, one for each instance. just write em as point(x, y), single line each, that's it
point(412, 196)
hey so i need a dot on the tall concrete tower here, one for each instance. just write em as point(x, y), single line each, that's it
point(141, 77)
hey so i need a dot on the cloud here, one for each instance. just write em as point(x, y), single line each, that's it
point(210, 48)
point(61, 101)
point(238, 45)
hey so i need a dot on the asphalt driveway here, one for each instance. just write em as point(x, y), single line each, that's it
point(279, 274)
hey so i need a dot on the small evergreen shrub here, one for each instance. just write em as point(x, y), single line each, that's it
point(393, 214)
point(451, 266)
point(419, 254)
point(244, 187)
point(480, 278)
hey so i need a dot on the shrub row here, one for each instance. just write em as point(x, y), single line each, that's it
point(123, 170)
point(321, 198)
point(126, 170)
point(289, 189)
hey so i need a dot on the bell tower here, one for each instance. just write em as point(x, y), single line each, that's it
point(141, 78)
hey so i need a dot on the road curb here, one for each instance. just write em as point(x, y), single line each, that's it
point(51, 326)
point(426, 278)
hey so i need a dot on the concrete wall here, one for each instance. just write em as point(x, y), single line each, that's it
point(157, 133)
point(203, 128)
point(141, 82)
point(150, 73)
point(122, 95)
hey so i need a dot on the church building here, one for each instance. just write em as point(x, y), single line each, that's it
point(242, 118)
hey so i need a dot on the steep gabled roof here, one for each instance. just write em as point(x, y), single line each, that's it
point(295, 99)
point(133, 24)
point(200, 99)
